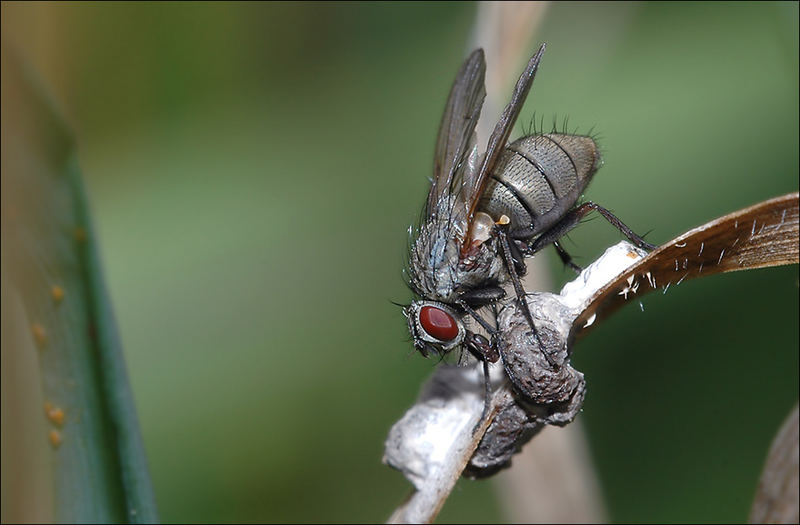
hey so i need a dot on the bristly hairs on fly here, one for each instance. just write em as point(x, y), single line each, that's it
point(408, 337)
point(534, 127)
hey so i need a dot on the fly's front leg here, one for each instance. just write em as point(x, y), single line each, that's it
point(486, 351)
point(479, 297)
point(477, 344)
point(571, 219)
point(481, 348)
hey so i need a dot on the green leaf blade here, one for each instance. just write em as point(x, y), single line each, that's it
point(53, 286)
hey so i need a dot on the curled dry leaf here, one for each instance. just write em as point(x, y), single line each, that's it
point(760, 236)
point(777, 497)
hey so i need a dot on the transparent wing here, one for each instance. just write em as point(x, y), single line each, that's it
point(475, 182)
point(457, 129)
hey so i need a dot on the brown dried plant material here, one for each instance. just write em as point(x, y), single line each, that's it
point(777, 498)
point(760, 236)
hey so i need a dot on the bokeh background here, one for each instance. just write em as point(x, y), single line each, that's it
point(252, 170)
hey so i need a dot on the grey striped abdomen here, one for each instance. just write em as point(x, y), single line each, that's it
point(538, 178)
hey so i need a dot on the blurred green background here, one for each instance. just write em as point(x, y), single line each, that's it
point(253, 168)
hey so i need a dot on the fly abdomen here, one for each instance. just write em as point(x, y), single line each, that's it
point(538, 178)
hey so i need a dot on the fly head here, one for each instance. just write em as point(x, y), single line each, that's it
point(435, 327)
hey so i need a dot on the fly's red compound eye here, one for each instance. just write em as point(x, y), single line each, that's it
point(438, 323)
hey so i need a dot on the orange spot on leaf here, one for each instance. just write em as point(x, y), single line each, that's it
point(54, 414)
point(57, 292)
point(55, 438)
point(39, 334)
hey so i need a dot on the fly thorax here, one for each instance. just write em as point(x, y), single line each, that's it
point(435, 253)
point(481, 264)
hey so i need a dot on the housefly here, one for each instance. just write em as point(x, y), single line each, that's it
point(485, 213)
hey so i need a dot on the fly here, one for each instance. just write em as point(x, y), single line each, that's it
point(485, 213)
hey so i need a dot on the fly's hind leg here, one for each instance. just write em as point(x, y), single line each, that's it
point(571, 219)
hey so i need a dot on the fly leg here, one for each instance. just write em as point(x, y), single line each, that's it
point(505, 247)
point(479, 297)
point(487, 353)
point(520, 248)
point(517, 256)
point(477, 344)
point(481, 348)
point(571, 219)
point(566, 258)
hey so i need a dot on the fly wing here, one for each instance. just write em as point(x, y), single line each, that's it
point(457, 129)
point(474, 183)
